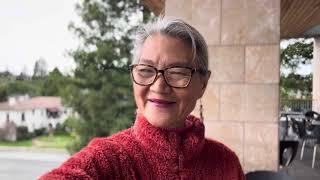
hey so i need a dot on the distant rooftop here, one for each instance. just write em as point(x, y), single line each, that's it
point(39, 102)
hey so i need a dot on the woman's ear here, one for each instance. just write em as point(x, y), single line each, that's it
point(204, 82)
point(206, 79)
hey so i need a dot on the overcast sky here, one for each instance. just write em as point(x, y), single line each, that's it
point(31, 29)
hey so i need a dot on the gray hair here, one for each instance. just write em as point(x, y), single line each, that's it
point(175, 28)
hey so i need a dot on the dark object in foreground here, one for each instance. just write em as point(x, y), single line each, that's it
point(267, 175)
point(288, 151)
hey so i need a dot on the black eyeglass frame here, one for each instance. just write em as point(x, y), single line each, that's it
point(193, 70)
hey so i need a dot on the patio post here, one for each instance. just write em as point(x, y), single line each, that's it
point(316, 75)
point(241, 104)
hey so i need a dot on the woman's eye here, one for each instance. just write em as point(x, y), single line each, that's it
point(177, 73)
point(145, 70)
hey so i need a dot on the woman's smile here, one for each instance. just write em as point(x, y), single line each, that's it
point(161, 103)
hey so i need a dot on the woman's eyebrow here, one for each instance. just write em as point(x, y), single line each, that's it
point(146, 61)
point(150, 62)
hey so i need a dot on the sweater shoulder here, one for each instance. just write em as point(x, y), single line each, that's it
point(116, 140)
point(102, 158)
point(230, 164)
point(220, 149)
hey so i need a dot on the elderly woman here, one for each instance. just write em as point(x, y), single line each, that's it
point(169, 73)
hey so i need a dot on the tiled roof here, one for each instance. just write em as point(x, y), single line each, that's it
point(47, 102)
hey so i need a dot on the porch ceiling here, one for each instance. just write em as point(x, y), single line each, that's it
point(299, 18)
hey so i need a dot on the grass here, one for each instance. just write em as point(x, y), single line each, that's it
point(56, 141)
point(24, 143)
point(45, 141)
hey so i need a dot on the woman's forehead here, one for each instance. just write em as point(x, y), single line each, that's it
point(163, 50)
point(167, 62)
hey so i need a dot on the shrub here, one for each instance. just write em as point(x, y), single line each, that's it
point(23, 133)
point(39, 132)
point(60, 129)
point(2, 134)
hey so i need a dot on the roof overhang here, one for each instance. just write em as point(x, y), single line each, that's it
point(299, 18)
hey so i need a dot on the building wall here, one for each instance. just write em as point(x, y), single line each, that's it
point(241, 104)
point(34, 119)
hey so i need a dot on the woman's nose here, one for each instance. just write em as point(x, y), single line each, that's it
point(160, 85)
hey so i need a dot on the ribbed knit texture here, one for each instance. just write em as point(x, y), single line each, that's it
point(147, 152)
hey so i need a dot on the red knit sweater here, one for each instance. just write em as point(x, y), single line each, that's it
point(147, 152)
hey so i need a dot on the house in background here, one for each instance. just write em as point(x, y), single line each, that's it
point(34, 113)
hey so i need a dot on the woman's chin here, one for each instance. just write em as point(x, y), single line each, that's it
point(163, 121)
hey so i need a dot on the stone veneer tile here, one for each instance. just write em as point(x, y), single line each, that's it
point(210, 102)
point(227, 63)
point(263, 21)
point(262, 103)
point(232, 102)
point(206, 19)
point(316, 76)
point(262, 64)
point(179, 8)
point(230, 134)
point(261, 146)
point(234, 22)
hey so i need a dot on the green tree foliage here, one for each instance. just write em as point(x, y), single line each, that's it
point(101, 91)
point(40, 69)
point(293, 84)
point(17, 88)
point(300, 52)
point(54, 83)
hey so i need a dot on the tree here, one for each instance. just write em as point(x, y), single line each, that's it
point(23, 75)
point(54, 83)
point(17, 88)
point(101, 91)
point(40, 69)
point(292, 84)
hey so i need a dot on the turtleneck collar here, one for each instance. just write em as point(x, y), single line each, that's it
point(170, 142)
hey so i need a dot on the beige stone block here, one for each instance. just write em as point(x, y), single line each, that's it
point(234, 22)
point(206, 19)
point(261, 146)
point(227, 63)
point(233, 101)
point(263, 21)
point(262, 103)
point(316, 75)
point(210, 101)
point(229, 133)
point(179, 8)
point(262, 64)
point(232, 4)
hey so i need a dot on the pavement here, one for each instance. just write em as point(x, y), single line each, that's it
point(301, 169)
point(29, 163)
point(18, 163)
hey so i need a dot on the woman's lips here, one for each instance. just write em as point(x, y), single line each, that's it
point(161, 102)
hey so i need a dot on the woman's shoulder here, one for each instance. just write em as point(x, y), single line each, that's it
point(100, 159)
point(115, 141)
point(219, 149)
point(227, 158)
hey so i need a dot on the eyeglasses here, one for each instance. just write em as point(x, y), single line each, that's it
point(177, 77)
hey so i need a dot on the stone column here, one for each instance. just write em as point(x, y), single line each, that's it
point(316, 75)
point(241, 104)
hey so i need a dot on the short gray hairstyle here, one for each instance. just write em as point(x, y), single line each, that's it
point(177, 28)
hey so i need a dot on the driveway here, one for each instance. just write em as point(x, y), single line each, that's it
point(28, 163)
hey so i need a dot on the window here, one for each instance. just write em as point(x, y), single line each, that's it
point(22, 117)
